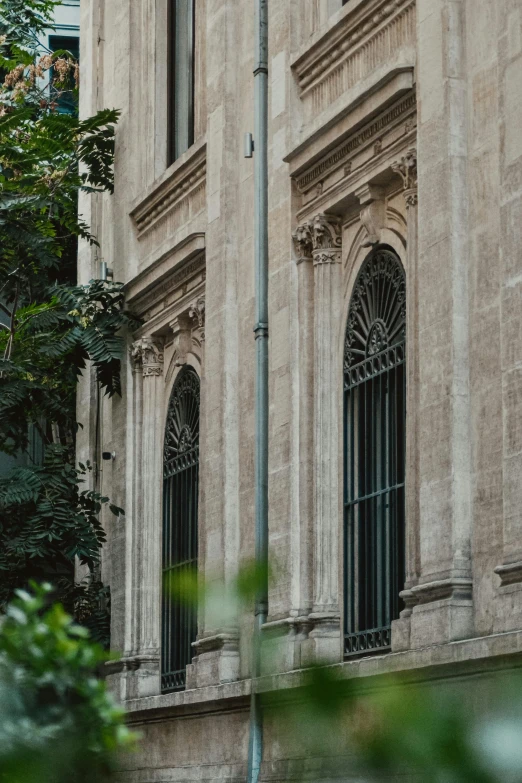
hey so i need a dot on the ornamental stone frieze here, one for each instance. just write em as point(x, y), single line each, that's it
point(147, 354)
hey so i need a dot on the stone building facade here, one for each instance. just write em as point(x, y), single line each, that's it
point(394, 129)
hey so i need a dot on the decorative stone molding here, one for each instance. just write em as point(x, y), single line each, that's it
point(326, 239)
point(147, 353)
point(285, 644)
point(216, 660)
point(181, 328)
point(197, 312)
point(342, 156)
point(406, 167)
point(227, 640)
point(509, 574)
point(439, 590)
point(172, 274)
point(302, 238)
point(186, 184)
point(351, 50)
point(373, 212)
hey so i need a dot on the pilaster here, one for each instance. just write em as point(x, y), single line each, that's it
point(406, 168)
point(444, 609)
point(325, 616)
point(142, 666)
point(216, 655)
point(284, 637)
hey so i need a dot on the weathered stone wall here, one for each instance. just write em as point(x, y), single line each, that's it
point(390, 121)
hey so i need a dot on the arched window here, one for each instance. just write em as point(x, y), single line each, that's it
point(180, 526)
point(374, 453)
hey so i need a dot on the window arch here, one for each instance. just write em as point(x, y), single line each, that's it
point(374, 453)
point(180, 525)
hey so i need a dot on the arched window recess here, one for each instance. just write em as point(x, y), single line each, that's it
point(374, 453)
point(180, 526)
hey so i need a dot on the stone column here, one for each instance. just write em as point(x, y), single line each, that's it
point(406, 168)
point(444, 608)
point(147, 354)
point(326, 253)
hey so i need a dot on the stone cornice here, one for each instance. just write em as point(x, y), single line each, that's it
point(345, 53)
point(175, 269)
point(340, 156)
point(187, 179)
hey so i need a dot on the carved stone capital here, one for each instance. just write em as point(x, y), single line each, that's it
point(302, 238)
point(326, 239)
point(373, 211)
point(406, 168)
point(197, 312)
point(147, 354)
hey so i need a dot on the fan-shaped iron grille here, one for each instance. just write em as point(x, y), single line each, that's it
point(180, 526)
point(374, 453)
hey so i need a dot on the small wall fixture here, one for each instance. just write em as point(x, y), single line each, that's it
point(249, 145)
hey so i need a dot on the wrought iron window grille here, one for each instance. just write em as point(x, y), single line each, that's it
point(374, 454)
point(180, 527)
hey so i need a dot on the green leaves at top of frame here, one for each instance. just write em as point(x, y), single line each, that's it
point(21, 21)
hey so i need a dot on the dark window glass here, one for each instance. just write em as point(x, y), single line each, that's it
point(374, 453)
point(181, 77)
point(65, 96)
point(180, 527)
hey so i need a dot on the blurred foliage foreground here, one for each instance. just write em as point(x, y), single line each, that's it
point(57, 722)
point(431, 728)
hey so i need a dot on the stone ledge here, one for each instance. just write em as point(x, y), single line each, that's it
point(184, 260)
point(509, 573)
point(185, 178)
point(468, 657)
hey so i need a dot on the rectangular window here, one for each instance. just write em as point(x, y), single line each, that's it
point(181, 77)
point(65, 97)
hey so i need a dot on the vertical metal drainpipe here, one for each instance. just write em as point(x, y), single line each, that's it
point(255, 749)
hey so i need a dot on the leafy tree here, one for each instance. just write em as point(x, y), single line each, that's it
point(51, 330)
point(57, 721)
